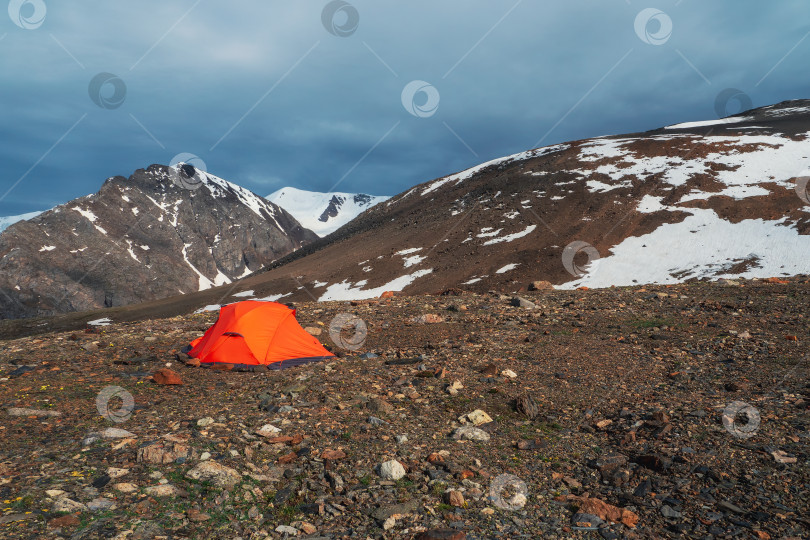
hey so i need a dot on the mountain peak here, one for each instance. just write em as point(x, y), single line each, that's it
point(323, 213)
point(161, 231)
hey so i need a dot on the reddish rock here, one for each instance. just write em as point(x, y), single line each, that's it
point(387, 294)
point(288, 458)
point(541, 286)
point(455, 498)
point(435, 458)
point(68, 520)
point(166, 376)
point(605, 511)
point(333, 454)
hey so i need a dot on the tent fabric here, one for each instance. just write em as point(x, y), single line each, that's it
point(253, 333)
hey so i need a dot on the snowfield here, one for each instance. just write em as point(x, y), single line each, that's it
point(308, 206)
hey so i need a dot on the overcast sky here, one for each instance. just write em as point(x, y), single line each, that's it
point(310, 93)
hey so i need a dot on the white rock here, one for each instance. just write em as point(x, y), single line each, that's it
point(205, 456)
point(164, 490)
point(114, 472)
point(392, 470)
point(292, 531)
point(215, 473)
point(18, 411)
point(476, 418)
point(267, 430)
point(389, 523)
point(126, 487)
point(63, 504)
point(470, 433)
point(509, 373)
point(116, 433)
point(54, 492)
point(401, 439)
point(205, 422)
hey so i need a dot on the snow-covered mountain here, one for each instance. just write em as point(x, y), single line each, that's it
point(163, 231)
point(6, 222)
point(323, 213)
point(699, 200)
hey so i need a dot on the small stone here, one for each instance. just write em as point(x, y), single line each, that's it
point(100, 504)
point(205, 455)
point(166, 376)
point(401, 439)
point(165, 490)
point(729, 507)
point(509, 373)
point(389, 523)
point(526, 405)
point(455, 498)
point(116, 433)
point(63, 521)
point(68, 506)
point(521, 302)
point(380, 406)
point(313, 330)
point(305, 527)
point(454, 387)
point(392, 470)
point(205, 422)
point(541, 286)
point(470, 433)
point(669, 512)
point(197, 516)
point(125, 487)
point(780, 456)
point(286, 529)
point(21, 411)
point(477, 417)
point(267, 430)
point(586, 521)
point(374, 421)
point(218, 474)
point(53, 493)
point(114, 472)
point(333, 454)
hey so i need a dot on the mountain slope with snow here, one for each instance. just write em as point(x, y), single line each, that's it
point(323, 213)
point(705, 200)
point(6, 222)
point(163, 231)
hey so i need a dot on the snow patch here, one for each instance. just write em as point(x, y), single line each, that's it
point(347, 291)
point(507, 268)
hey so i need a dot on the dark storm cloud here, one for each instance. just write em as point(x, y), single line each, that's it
point(268, 97)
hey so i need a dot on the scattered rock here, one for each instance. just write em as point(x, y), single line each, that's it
point(165, 490)
point(216, 473)
point(392, 470)
point(68, 506)
point(521, 302)
point(20, 411)
point(455, 498)
point(470, 433)
point(476, 418)
point(541, 286)
point(166, 376)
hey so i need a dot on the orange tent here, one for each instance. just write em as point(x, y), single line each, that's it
point(254, 333)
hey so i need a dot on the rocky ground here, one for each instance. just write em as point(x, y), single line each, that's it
point(645, 412)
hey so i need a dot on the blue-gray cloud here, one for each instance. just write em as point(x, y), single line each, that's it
point(318, 102)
